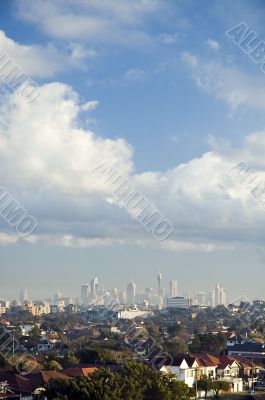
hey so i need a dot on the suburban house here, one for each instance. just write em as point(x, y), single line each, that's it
point(26, 387)
point(207, 365)
point(247, 348)
point(44, 344)
point(185, 367)
point(189, 367)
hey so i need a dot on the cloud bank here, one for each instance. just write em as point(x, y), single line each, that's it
point(46, 163)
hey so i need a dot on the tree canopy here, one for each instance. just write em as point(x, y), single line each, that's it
point(135, 381)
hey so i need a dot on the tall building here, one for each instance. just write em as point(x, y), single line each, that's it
point(131, 293)
point(218, 295)
point(23, 296)
point(57, 296)
point(201, 298)
point(159, 280)
point(94, 285)
point(84, 293)
point(223, 297)
point(173, 289)
point(122, 297)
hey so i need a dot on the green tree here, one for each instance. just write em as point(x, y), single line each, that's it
point(195, 346)
point(217, 386)
point(4, 364)
point(135, 381)
point(34, 337)
point(204, 385)
point(70, 360)
point(93, 355)
point(53, 365)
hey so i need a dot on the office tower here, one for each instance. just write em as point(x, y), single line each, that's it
point(201, 298)
point(122, 297)
point(218, 295)
point(159, 280)
point(23, 296)
point(57, 296)
point(173, 289)
point(114, 292)
point(223, 299)
point(131, 292)
point(94, 285)
point(149, 292)
point(84, 293)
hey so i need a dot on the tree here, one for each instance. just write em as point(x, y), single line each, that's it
point(136, 381)
point(70, 360)
point(204, 385)
point(217, 386)
point(53, 365)
point(34, 337)
point(195, 346)
point(4, 364)
point(93, 355)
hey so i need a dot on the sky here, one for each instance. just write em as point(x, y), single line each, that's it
point(160, 92)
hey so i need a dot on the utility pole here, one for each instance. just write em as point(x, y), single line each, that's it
point(252, 372)
point(13, 343)
point(196, 383)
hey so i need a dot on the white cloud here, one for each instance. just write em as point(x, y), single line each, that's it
point(46, 163)
point(6, 239)
point(227, 83)
point(177, 246)
point(213, 44)
point(134, 75)
point(168, 38)
point(92, 20)
point(90, 105)
point(41, 61)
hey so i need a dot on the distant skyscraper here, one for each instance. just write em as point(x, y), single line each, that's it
point(201, 298)
point(57, 296)
point(122, 297)
point(23, 296)
point(131, 292)
point(84, 293)
point(223, 299)
point(94, 285)
point(218, 295)
point(173, 289)
point(159, 280)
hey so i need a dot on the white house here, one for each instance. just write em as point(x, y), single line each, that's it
point(186, 369)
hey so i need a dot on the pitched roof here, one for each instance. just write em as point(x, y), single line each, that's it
point(73, 372)
point(39, 379)
point(17, 383)
point(248, 347)
point(206, 360)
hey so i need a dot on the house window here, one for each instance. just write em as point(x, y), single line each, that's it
point(190, 373)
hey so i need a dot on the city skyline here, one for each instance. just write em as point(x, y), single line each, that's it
point(132, 293)
point(184, 285)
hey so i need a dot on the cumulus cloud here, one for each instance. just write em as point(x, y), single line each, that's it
point(46, 164)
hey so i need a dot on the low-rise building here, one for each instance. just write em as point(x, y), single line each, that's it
point(179, 302)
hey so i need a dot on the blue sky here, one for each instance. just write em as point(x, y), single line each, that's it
point(173, 104)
